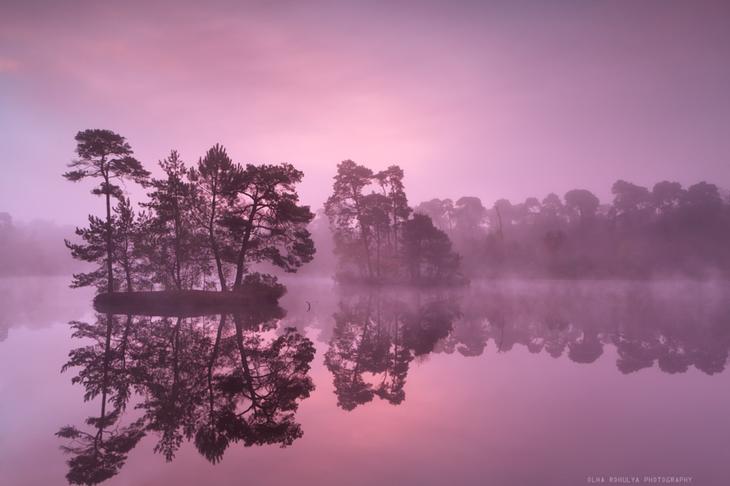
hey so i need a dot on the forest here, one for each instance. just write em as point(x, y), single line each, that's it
point(665, 231)
point(209, 225)
point(212, 224)
point(377, 237)
point(216, 375)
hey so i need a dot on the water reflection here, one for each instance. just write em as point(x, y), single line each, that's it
point(100, 451)
point(675, 328)
point(212, 380)
point(377, 335)
point(374, 341)
point(239, 378)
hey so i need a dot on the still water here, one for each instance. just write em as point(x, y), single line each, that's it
point(504, 383)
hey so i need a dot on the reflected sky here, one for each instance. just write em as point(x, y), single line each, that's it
point(507, 383)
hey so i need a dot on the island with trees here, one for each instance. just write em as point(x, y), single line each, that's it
point(377, 236)
point(204, 228)
point(193, 243)
point(195, 238)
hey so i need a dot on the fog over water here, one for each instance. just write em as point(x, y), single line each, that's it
point(364, 243)
point(536, 382)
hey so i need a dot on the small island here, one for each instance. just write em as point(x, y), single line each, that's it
point(257, 290)
point(191, 246)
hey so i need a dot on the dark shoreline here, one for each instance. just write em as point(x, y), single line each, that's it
point(182, 303)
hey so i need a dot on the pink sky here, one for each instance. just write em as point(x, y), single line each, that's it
point(498, 99)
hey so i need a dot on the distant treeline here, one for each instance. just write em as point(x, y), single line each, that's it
point(33, 248)
point(663, 232)
point(666, 231)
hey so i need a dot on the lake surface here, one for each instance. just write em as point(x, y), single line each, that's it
point(504, 383)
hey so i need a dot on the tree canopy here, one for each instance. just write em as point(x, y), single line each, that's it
point(667, 230)
point(376, 237)
point(199, 224)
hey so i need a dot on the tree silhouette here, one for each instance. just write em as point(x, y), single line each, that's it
point(173, 247)
point(427, 252)
point(441, 212)
point(346, 213)
point(665, 232)
point(213, 180)
point(369, 219)
point(583, 202)
point(105, 155)
point(125, 230)
point(391, 185)
point(265, 219)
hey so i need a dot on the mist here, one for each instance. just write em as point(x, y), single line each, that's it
point(364, 243)
point(34, 248)
point(494, 101)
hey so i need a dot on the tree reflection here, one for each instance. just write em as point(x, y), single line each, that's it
point(101, 453)
point(214, 381)
point(374, 341)
point(671, 326)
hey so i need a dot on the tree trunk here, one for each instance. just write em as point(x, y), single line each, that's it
point(363, 232)
point(499, 220)
point(244, 248)
point(109, 243)
point(377, 255)
point(178, 236)
point(127, 265)
point(218, 263)
point(214, 246)
point(368, 259)
point(128, 273)
point(240, 264)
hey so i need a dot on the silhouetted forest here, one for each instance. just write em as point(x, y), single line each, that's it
point(663, 232)
point(377, 239)
point(666, 231)
point(205, 226)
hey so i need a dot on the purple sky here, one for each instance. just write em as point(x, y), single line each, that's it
point(493, 99)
